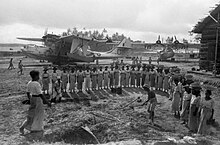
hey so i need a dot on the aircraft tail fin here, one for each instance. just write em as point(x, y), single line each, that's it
point(75, 44)
point(121, 47)
point(125, 43)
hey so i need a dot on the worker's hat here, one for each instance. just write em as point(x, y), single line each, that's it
point(195, 85)
point(189, 77)
point(208, 87)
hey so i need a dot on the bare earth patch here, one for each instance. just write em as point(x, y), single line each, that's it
point(102, 115)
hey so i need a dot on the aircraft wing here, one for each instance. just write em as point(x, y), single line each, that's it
point(69, 38)
point(73, 36)
point(31, 39)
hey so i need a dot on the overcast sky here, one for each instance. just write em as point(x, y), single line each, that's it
point(139, 19)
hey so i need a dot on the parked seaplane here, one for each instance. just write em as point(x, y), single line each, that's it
point(71, 49)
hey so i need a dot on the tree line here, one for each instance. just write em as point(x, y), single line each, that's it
point(95, 34)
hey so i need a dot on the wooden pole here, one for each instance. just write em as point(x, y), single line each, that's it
point(216, 47)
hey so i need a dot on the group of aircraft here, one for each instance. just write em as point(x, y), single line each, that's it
point(73, 49)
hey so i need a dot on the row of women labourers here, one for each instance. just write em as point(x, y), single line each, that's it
point(96, 78)
point(193, 105)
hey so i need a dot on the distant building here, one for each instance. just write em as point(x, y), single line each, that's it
point(210, 38)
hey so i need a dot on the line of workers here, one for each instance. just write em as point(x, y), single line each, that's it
point(192, 104)
point(98, 78)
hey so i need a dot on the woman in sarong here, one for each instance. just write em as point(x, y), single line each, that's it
point(100, 78)
point(64, 80)
point(186, 104)
point(166, 85)
point(116, 75)
point(127, 77)
point(80, 79)
point(133, 76)
point(194, 107)
point(147, 77)
point(54, 77)
point(72, 78)
point(176, 98)
point(94, 79)
point(143, 75)
point(138, 77)
point(123, 77)
point(111, 77)
point(106, 77)
point(152, 78)
point(160, 80)
point(206, 106)
point(35, 116)
point(172, 87)
point(87, 75)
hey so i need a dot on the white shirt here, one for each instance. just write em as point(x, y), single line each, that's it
point(195, 100)
point(34, 88)
point(207, 103)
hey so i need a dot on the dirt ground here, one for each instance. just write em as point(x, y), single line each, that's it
point(100, 112)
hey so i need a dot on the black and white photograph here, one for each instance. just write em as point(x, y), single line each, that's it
point(110, 72)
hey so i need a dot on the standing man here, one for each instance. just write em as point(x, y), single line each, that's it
point(158, 60)
point(20, 67)
point(45, 81)
point(153, 102)
point(11, 66)
point(150, 60)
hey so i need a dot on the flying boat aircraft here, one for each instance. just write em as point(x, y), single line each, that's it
point(72, 49)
